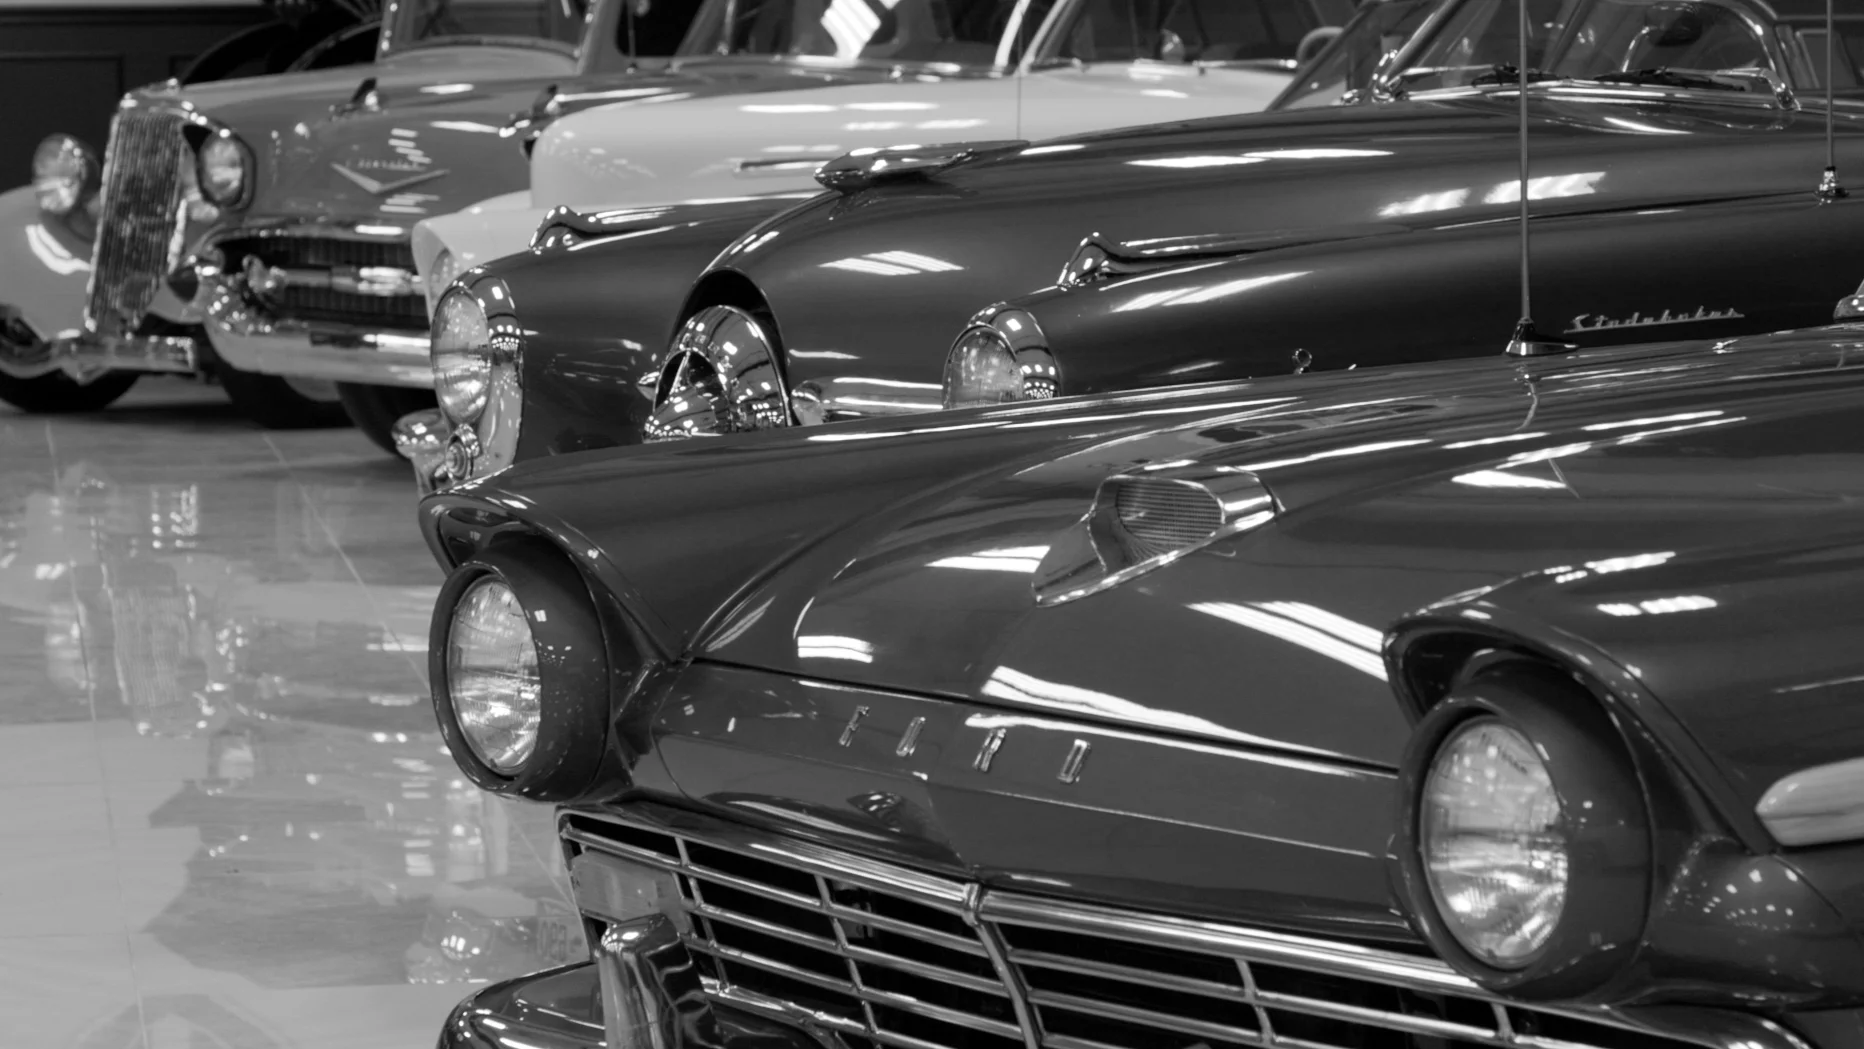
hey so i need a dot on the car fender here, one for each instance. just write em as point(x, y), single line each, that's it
point(1366, 302)
point(44, 266)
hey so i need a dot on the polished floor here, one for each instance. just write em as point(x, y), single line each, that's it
point(226, 820)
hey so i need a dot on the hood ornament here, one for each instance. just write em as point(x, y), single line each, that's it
point(365, 100)
point(382, 189)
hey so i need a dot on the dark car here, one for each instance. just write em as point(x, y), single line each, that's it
point(847, 304)
point(1077, 724)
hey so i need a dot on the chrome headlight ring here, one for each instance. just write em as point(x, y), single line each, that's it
point(1001, 357)
point(477, 347)
point(1524, 852)
point(720, 377)
point(520, 672)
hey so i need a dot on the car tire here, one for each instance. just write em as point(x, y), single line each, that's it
point(376, 409)
point(277, 403)
point(56, 393)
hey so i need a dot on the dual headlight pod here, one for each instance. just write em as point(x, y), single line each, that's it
point(520, 673)
point(66, 174)
point(1002, 356)
point(1524, 845)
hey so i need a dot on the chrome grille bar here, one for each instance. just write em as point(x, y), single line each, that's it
point(139, 212)
point(1018, 970)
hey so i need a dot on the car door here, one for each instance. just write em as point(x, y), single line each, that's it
point(1113, 63)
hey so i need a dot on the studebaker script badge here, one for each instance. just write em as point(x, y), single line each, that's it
point(1587, 322)
point(384, 188)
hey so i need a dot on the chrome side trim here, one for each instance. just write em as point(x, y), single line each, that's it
point(1099, 258)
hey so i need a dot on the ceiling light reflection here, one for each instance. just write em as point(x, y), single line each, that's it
point(1022, 559)
point(829, 646)
point(1315, 629)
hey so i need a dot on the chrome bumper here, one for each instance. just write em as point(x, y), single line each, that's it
point(247, 337)
point(371, 358)
point(564, 1009)
point(25, 354)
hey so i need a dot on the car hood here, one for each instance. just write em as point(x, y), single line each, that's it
point(429, 145)
point(832, 274)
point(908, 567)
point(639, 152)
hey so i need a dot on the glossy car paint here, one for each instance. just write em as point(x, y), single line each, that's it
point(1242, 731)
point(642, 150)
point(1419, 165)
point(1416, 176)
point(1617, 278)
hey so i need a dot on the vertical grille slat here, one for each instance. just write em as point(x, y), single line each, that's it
point(139, 206)
point(900, 961)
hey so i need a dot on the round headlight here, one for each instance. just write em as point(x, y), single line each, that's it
point(64, 174)
point(523, 673)
point(1493, 843)
point(1523, 849)
point(1001, 357)
point(492, 676)
point(223, 167)
point(462, 355)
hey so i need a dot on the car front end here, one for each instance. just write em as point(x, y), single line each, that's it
point(1073, 724)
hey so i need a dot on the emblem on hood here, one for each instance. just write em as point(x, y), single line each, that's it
point(384, 188)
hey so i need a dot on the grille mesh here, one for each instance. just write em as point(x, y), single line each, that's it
point(398, 312)
point(888, 957)
point(139, 208)
point(1162, 516)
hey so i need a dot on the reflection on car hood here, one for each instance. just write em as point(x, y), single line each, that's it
point(431, 145)
point(1418, 164)
point(1396, 490)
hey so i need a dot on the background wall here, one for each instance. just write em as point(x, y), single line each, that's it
point(63, 66)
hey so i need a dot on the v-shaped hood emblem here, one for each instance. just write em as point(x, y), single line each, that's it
point(383, 188)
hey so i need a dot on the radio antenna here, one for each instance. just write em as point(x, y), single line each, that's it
point(1527, 342)
point(1829, 188)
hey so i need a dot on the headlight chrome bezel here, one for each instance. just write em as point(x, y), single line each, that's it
point(722, 375)
point(1009, 341)
point(223, 142)
point(1604, 820)
point(485, 424)
point(574, 679)
point(79, 180)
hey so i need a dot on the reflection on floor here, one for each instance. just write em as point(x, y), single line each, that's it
point(226, 819)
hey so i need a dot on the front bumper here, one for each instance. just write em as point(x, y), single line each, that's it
point(563, 1009)
point(372, 358)
point(26, 353)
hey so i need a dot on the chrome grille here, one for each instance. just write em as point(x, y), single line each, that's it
point(329, 305)
point(889, 956)
point(139, 207)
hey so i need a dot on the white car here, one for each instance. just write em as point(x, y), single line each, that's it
point(1089, 65)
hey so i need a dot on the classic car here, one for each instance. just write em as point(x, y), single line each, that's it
point(1342, 220)
point(1076, 723)
point(305, 183)
point(1087, 65)
point(982, 68)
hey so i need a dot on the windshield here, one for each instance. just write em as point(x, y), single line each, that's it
point(1347, 64)
point(554, 24)
point(958, 32)
point(1588, 39)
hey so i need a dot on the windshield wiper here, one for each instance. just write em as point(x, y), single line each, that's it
point(1507, 74)
point(1664, 76)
